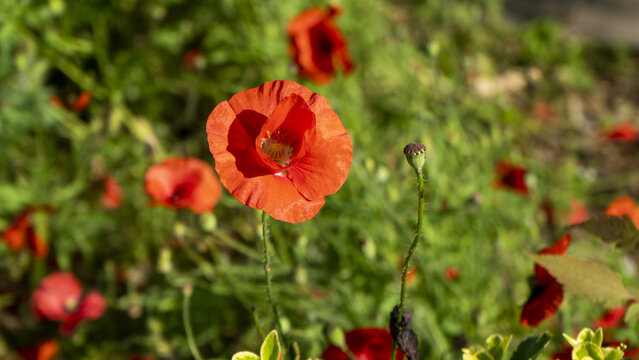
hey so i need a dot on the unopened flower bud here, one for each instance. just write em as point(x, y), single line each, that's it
point(415, 155)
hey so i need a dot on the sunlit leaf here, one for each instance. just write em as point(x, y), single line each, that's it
point(618, 230)
point(632, 313)
point(270, 347)
point(245, 355)
point(590, 280)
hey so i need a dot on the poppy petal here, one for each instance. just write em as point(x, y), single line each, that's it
point(91, 308)
point(371, 344)
point(14, 238)
point(38, 247)
point(542, 304)
point(558, 248)
point(334, 353)
point(324, 169)
point(112, 195)
point(45, 350)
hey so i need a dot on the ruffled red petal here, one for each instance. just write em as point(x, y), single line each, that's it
point(610, 319)
point(542, 304)
point(45, 350)
point(55, 295)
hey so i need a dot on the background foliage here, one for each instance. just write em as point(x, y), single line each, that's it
point(453, 75)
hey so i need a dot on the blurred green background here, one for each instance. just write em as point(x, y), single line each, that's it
point(454, 75)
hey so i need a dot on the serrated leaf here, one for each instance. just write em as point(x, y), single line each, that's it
point(618, 230)
point(632, 313)
point(270, 349)
point(531, 347)
point(245, 355)
point(590, 280)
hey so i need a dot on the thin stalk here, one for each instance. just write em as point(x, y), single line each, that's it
point(267, 275)
point(186, 318)
point(413, 246)
point(256, 321)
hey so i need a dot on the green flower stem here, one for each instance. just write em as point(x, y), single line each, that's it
point(267, 274)
point(186, 318)
point(257, 323)
point(413, 246)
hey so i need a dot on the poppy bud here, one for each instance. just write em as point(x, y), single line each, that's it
point(415, 155)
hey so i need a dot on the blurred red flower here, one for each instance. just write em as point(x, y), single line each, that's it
point(45, 350)
point(451, 273)
point(624, 132)
point(365, 344)
point(112, 195)
point(59, 298)
point(511, 177)
point(183, 182)
point(577, 214)
point(79, 103)
point(192, 58)
point(543, 111)
point(547, 294)
point(624, 206)
point(317, 44)
point(280, 148)
point(21, 231)
point(610, 319)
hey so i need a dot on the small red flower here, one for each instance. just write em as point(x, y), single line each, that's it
point(610, 319)
point(192, 59)
point(365, 344)
point(317, 44)
point(547, 294)
point(577, 214)
point(59, 298)
point(511, 177)
point(624, 206)
point(78, 105)
point(451, 273)
point(279, 148)
point(543, 111)
point(183, 182)
point(21, 231)
point(112, 195)
point(45, 350)
point(625, 132)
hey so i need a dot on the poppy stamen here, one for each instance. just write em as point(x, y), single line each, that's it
point(277, 148)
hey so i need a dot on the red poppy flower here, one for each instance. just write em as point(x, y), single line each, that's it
point(317, 44)
point(511, 177)
point(45, 350)
point(577, 213)
point(365, 344)
point(279, 148)
point(183, 182)
point(79, 103)
point(543, 111)
point(59, 298)
point(112, 195)
point(21, 231)
point(547, 294)
point(624, 206)
point(625, 132)
point(193, 59)
point(451, 273)
point(610, 319)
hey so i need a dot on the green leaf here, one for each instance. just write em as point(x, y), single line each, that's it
point(632, 313)
point(497, 345)
point(590, 280)
point(245, 355)
point(530, 347)
point(476, 353)
point(587, 350)
point(270, 349)
point(618, 230)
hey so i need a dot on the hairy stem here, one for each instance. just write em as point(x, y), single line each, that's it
point(413, 246)
point(267, 273)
